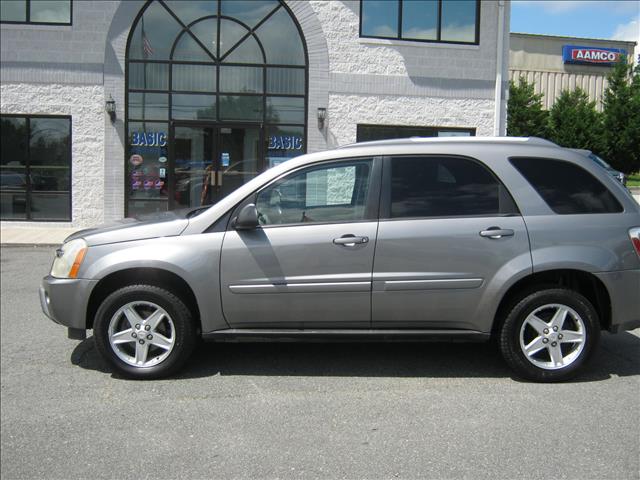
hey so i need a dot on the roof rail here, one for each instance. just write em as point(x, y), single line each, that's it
point(414, 140)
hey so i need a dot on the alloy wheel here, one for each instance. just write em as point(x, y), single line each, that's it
point(552, 336)
point(141, 334)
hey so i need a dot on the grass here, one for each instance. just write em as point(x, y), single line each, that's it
point(633, 180)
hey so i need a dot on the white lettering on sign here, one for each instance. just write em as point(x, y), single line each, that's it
point(284, 142)
point(595, 55)
point(148, 139)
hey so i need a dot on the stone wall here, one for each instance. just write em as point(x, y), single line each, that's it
point(85, 105)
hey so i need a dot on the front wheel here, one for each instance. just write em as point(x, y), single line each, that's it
point(144, 331)
point(549, 335)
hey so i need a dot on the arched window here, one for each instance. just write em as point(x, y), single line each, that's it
point(217, 63)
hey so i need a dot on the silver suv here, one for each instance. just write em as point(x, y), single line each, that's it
point(514, 239)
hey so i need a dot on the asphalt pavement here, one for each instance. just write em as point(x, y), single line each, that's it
point(302, 411)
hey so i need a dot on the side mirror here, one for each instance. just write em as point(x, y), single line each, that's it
point(247, 219)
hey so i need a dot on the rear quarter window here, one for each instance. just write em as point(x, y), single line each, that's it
point(567, 188)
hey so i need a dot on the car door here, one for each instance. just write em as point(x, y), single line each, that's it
point(310, 263)
point(449, 233)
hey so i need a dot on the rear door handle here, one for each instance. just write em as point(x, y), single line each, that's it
point(496, 232)
point(350, 240)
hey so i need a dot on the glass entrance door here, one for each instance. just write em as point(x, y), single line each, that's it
point(210, 161)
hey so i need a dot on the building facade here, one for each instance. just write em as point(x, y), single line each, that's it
point(112, 109)
point(554, 64)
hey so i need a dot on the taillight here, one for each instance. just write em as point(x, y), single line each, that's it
point(634, 235)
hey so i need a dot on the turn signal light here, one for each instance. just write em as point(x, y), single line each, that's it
point(73, 273)
point(634, 234)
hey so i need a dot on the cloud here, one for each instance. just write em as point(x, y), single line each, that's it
point(628, 31)
point(564, 6)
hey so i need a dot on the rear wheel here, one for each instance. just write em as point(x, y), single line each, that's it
point(549, 335)
point(144, 331)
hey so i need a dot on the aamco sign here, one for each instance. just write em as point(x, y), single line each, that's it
point(591, 55)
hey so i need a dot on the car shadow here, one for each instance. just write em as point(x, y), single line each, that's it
point(618, 355)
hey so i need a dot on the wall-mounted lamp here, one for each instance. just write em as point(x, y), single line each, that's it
point(110, 108)
point(322, 115)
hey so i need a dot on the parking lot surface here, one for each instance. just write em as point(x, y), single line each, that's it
point(302, 410)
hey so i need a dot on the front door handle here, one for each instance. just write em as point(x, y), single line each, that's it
point(496, 232)
point(350, 240)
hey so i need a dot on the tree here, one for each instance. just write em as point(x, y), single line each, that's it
point(574, 122)
point(525, 115)
point(621, 118)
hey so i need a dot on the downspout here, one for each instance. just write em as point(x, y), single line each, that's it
point(497, 113)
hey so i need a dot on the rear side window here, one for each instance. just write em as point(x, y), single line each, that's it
point(428, 186)
point(567, 188)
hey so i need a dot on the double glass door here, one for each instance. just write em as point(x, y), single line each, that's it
point(209, 161)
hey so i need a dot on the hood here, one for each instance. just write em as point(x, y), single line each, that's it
point(166, 224)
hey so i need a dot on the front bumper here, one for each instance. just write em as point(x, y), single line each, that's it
point(64, 300)
point(624, 291)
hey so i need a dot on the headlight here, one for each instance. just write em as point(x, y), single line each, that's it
point(69, 258)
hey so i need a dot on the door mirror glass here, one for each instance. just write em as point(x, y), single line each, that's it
point(247, 219)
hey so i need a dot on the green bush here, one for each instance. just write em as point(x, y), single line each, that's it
point(525, 115)
point(574, 122)
point(621, 118)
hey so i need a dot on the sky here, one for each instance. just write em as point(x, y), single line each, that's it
point(619, 20)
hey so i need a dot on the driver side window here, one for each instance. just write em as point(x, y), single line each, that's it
point(330, 193)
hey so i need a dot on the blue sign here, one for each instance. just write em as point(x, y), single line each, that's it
point(225, 159)
point(592, 55)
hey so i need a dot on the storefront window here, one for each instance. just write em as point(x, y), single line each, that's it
point(283, 143)
point(448, 21)
point(35, 168)
point(367, 133)
point(209, 68)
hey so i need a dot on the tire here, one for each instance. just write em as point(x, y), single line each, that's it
point(145, 332)
point(535, 349)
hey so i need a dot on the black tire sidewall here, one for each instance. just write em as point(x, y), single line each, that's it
point(173, 305)
point(510, 333)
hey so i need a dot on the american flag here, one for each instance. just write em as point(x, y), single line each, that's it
point(147, 51)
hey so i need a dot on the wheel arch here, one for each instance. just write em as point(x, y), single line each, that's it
point(157, 277)
point(583, 282)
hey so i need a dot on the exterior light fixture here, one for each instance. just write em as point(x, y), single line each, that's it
point(110, 108)
point(322, 115)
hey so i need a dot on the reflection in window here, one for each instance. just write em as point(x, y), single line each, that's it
point(283, 143)
point(458, 21)
point(223, 61)
point(287, 81)
point(148, 106)
point(379, 18)
point(147, 161)
point(193, 107)
point(567, 188)
point(420, 20)
point(285, 109)
point(336, 193)
point(194, 78)
point(452, 21)
point(174, 47)
point(35, 168)
point(36, 11)
point(444, 187)
point(241, 79)
point(149, 76)
point(367, 133)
